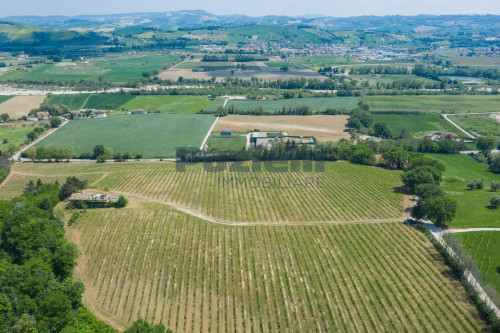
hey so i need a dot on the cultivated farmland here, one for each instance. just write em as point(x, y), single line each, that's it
point(170, 104)
point(479, 124)
point(236, 195)
point(19, 106)
point(271, 106)
point(484, 247)
point(415, 123)
point(153, 135)
point(195, 276)
point(322, 127)
point(435, 103)
point(162, 103)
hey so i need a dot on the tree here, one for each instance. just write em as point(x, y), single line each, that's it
point(354, 123)
point(440, 209)
point(122, 202)
point(471, 185)
point(424, 191)
point(495, 165)
point(397, 158)
point(4, 116)
point(418, 212)
point(405, 134)
point(142, 326)
point(419, 175)
point(495, 185)
point(485, 144)
point(495, 201)
point(55, 122)
point(31, 153)
point(381, 129)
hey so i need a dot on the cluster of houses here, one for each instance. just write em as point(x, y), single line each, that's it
point(437, 136)
point(89, 113)
point(42, 115)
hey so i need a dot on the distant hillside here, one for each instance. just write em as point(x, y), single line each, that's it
point(201, 19)
point(14, 34)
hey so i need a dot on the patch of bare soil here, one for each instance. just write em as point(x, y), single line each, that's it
point(20, 106)
point(323, 127)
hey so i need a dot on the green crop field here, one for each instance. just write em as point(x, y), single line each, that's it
point(484, 248)
point(478, 124)
point(279, 64)
point(73, 101)
point(162, 103)
point(415, 123)
point(206, 64)
point(473, 206)
point(153, 135)
point(270, 106)
point(225, 142)
point(116, 69)
point(435, 103)
point(100, 101)
point(169, 103)
point(4, 98)
point(233, 195)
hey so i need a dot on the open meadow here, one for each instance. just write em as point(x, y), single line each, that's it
point(435, 103)
point(195, 276)
point(19, 106)
point(152, 135)
point(322, 127)
point(13, 136)
point(473, 205)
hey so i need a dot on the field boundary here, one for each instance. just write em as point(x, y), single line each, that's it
point(438, 233)
point(208, 134)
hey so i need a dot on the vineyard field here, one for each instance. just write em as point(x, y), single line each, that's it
point(484, 247)
point(235, 196)
point(195, 276)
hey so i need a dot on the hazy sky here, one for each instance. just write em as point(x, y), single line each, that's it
point(253, 7)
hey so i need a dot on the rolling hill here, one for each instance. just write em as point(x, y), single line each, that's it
point(14, 34)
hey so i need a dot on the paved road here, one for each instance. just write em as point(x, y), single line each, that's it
point(16, 157)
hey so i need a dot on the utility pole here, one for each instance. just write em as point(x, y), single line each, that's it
point(196, 198)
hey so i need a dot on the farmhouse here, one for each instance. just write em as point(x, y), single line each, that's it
point(32, 118)
point(99, 114)
point(259, 139)
point(91, 200)
point(140, 111)
point(43, 115)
